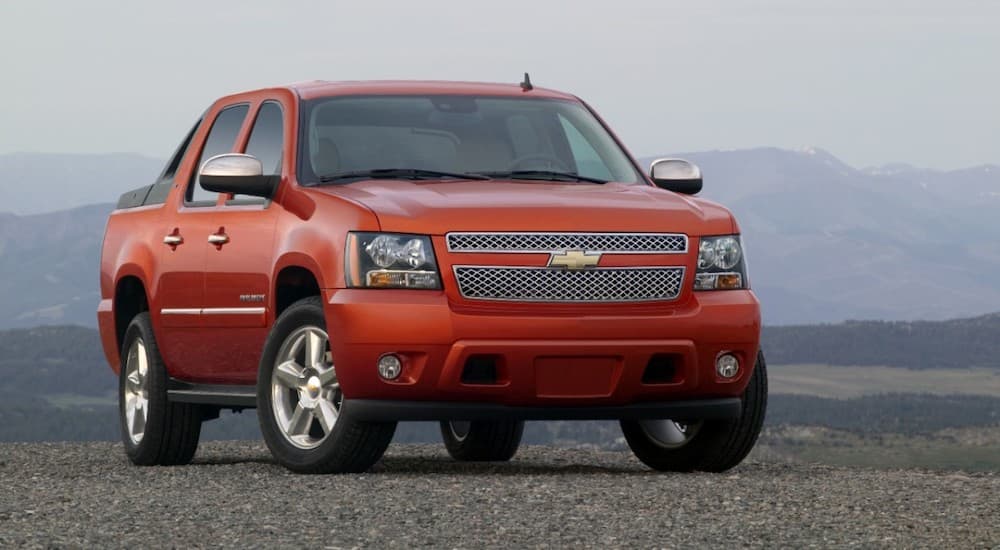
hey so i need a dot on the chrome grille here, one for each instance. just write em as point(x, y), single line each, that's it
point(543, 284)
point(609, 243)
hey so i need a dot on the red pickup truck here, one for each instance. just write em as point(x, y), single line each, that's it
point(346, 256)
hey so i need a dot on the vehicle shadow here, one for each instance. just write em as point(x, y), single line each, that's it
point(402, 465)
point(417, 460)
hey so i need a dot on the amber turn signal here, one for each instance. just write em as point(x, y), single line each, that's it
point(728, 281)
point(718, 281)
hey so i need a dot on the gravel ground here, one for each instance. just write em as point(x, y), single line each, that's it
point(73, 495)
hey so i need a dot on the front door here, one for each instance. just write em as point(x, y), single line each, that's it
point(239, 263)
point(180, 288)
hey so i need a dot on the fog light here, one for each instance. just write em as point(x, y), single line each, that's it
point(389, 366)
point(727, 365)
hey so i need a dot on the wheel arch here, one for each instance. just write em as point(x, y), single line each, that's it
point(131, 298)
point(293, 282)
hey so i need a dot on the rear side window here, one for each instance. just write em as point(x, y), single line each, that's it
point(175, 161)
point(159, 191)
point(221, 139)
point(265, 144)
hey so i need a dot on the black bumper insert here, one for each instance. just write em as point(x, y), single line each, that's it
point(377, 410)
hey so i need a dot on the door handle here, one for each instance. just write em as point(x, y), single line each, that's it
point(218, 239)
point(173, 240)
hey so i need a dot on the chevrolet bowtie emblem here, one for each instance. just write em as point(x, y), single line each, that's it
point(574, 259)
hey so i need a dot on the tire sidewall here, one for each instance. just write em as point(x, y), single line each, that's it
point(147, 451)
point(688, 457)
point(715, 438)
point(305, 312)
point(486, 440)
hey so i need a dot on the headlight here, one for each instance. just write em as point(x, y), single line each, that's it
point(391, 260)
point(721, 265)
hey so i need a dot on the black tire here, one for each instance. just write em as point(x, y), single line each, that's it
point(716, 445)
point(350, 446)
point(482, 440)
point(171, 430)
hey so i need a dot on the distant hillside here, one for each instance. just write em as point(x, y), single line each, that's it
point(49, 266)
point(54, 360)
point(32, 183)
point(957, 343)
point(910, 414)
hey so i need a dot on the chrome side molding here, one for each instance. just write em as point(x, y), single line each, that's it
point(214, 311)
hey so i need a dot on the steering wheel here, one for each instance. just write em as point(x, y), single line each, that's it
point(550, 163)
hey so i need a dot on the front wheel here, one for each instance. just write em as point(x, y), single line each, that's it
point(300, 400)
point(706, 445)
point(482, 440)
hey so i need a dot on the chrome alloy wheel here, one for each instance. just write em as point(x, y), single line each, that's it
point(460, 429)
point(136, 394)
point(305, 392)
point(670, 434)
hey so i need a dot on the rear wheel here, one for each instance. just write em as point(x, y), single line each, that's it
point(482, 440)
point(706, 445)
point(154, 430)
point(300, 400)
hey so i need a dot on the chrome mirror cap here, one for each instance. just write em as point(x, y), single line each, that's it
point(232, 165)
point(236, 174)
point(676, 175)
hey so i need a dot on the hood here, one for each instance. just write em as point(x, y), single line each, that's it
point(438, 207)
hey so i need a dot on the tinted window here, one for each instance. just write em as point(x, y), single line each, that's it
point(265, 143)
point(159, 191)
point(266, 138)
point(221, 139)
point(175, 161)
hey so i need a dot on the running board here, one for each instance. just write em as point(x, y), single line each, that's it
point(212, 394)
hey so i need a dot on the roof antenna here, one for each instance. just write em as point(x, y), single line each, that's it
point(526, 85)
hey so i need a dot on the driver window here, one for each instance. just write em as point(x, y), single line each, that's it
point(221, 139)
point(265, 144)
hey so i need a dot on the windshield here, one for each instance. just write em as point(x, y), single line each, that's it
point(521, 138)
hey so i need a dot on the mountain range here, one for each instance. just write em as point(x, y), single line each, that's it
point(826, 242)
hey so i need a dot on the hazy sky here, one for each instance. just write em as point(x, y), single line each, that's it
point(873, 81)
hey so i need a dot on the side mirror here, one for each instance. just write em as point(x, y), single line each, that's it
point(237, 174)
point(676, 175)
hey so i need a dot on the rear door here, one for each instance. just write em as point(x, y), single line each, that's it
point(238, 265)
point(183, 255)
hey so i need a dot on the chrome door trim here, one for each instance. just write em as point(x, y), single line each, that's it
point(180, 311)
point(214, 311)
point(232, 311)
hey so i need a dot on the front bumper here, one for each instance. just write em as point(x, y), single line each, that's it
point(588, 359)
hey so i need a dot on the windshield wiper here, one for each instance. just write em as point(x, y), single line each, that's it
point(544, 175)
point(399, 173)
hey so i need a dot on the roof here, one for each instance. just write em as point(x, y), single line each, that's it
point(320, 88)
